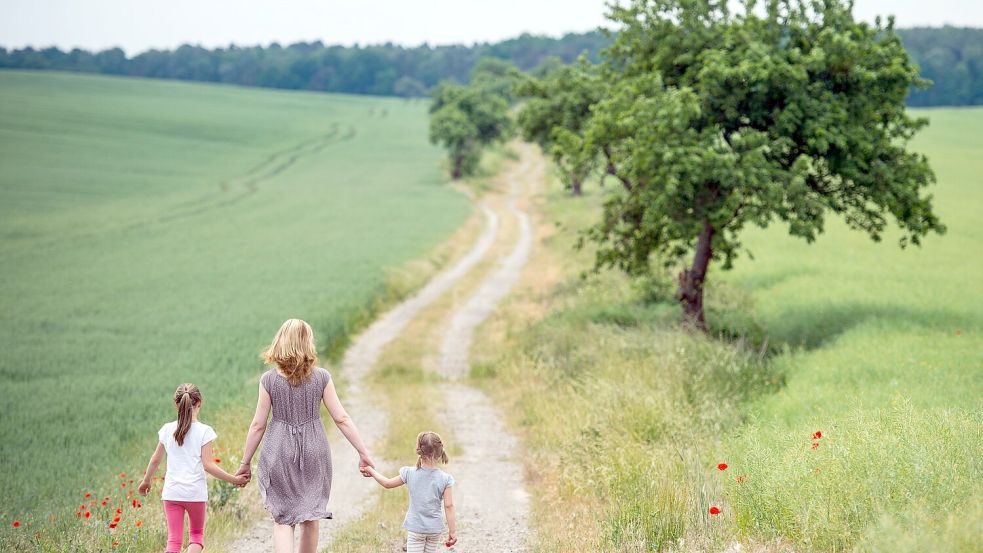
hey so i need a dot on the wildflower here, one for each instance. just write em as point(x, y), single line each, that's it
point(139, 523)
point(88, 495)
point(113, 525)
point(122, 475)
point(722, 466)
point(119, 511)
point(82, 507)
point(116, 518)
point(88, 514)
point(16, 524)
point(740, 479)
point(104, 502)
point(115, 543)
point(817, 434)
point(217, 460)
point(714, 510)
point(122, 484)
point(815, 445)
point(959, 332)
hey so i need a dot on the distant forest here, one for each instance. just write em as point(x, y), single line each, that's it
point(951, 57)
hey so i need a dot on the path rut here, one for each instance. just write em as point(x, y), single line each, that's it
point(492, 504)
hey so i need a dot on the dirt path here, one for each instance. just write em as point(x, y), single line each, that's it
point(351, 494)
point(492, 503)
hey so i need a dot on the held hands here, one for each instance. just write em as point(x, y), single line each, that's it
point(365, 461)
point(243, 475)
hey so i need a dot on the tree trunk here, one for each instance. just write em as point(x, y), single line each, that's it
point(690, 292)
point(457, 167)
point(576, 185)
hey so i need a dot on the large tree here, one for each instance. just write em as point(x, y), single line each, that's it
point(465, 119)
point(786, 111)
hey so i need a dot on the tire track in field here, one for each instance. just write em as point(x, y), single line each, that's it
point(491, 500)
point(351, 494)
point(249, 182)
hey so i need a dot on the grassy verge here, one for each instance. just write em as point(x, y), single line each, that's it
point(626, 418)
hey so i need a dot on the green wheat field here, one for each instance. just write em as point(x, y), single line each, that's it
point(154, 233)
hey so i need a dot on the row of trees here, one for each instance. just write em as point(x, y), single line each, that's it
point(951, 57)
point(384, 69)
point(785, 111)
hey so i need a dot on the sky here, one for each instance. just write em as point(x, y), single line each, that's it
point(138, 25)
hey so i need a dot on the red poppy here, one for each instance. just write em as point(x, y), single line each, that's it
point(722, 466)
point(113, 525)
point(106, 498)
point(115, 543)
point(817, 434)
point(139, 523)
point(116, 518)
point(122, 475)
point(217, 460)
point(815, 445)
point(88, 495)
point(714, 510)
point(82, 507)
point(16, 524)
point(122, 484)
point(88, 514)
point(119, 511)
point(104, 502)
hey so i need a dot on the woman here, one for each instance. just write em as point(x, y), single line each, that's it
point(295, 467)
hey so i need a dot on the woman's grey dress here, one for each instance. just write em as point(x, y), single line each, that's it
point(295, 465)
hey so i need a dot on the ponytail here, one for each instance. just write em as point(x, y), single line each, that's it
point(186, 398)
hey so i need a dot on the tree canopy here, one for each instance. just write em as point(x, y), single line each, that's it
point(713, 121)
point(466, 118)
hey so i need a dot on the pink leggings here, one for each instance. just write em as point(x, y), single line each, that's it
point(174, 511)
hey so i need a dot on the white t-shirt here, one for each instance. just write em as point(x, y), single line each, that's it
point(185, 477)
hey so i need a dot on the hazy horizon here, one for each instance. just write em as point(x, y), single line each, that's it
point(103, 24)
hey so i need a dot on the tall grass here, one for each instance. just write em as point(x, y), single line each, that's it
point(626, 416)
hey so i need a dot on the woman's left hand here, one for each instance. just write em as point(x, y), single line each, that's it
point(244, 470)
point(365, 461)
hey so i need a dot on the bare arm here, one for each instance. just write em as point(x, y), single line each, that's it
point(211, 467)
point(388, 483)
point(451, 516)
point(345, 423)
point(151, 468)
point(256, 430)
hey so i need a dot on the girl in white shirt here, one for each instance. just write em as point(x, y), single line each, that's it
point(188, 444)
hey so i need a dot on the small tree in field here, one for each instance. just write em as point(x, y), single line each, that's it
point(714, 121)
point(465, 119)
point(554, 116)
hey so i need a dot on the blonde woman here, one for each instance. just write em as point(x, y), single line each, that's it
point(295, 467)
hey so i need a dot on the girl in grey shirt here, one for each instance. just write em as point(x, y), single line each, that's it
point(429, 487)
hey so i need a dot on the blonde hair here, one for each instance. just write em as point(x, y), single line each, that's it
point(186, 398)
point(429, 446)
point(293, 351)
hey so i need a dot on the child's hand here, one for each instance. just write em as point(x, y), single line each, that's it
point(366, 472)
point(240, 481)
point(144, 487)
point(451, 540)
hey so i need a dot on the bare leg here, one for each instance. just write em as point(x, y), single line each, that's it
point(308, 536)
point(283, 538)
